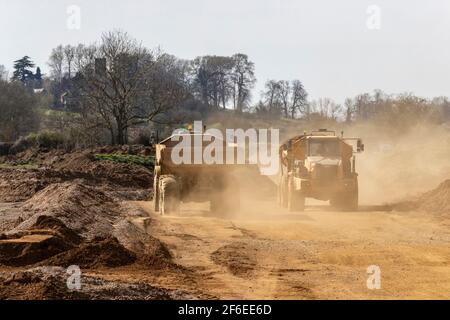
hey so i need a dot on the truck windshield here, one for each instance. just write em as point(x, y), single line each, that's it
point(324, 148)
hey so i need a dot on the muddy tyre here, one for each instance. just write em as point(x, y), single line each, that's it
point(169, 195)
point(296, 200)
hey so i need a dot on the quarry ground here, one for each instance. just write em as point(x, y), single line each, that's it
point(319, 254)
point(73, 210)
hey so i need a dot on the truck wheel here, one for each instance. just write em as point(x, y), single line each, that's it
point(282, 191)
point(347, 201)
point(351, 203)
point(169, 195)
point(296, 200)
point(156, 192)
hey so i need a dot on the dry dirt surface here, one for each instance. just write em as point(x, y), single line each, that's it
point(265, 252)
point(73, 210)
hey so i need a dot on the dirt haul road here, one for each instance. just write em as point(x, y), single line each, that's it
point(269, 253)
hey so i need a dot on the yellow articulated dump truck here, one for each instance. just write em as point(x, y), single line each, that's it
point(319, 165)
point(192, 181)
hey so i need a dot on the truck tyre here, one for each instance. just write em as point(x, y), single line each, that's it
point(296, 200)
point(169, 195)
point(347, 201)
point(351, 201)
point(283, 191)
point(157, 173)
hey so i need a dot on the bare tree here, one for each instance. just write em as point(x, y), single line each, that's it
point(243, 78)
point(56, 63)
point(285, 93)
point(349, 109)
point(84, 55)
point(69, 56)
point(272, 97)
point(212, 79)
point(326, 108)
point(126, 85)
point(299, 100)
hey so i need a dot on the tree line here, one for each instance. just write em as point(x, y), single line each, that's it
point(108, 88)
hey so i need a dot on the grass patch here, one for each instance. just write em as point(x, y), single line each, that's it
point(127, 158)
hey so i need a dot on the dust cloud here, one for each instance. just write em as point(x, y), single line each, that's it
point(398, 163)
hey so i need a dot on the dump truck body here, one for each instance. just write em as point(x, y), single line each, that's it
point(198, 182)
point(319, 165)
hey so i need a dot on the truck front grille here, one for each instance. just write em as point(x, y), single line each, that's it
point(326, 173)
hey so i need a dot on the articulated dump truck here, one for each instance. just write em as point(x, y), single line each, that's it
point(319, 165)
point(192, 182)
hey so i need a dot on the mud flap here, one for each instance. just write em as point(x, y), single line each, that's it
point(169, 195)
point(156, 191)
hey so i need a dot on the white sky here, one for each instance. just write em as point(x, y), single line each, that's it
point(325, 44)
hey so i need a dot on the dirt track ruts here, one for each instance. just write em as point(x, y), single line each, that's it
point(268, 253)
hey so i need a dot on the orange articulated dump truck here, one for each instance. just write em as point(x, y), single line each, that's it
point(319, 165)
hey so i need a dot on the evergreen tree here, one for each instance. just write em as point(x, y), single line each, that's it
point(22, 70)
point(38, 78)
point(38, 74)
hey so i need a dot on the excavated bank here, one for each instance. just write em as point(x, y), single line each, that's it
point(72, 224)
point(49, 283)
point(46, 238)
point(68, 209)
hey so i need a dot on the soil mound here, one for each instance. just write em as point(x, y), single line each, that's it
point(151, 252)
point(96, 253)
point(30, 171)
point(49, 283)
point(83, 164)
point(84, 209)
point(125, 175)
point(51, 223)
point(436, 200)
point(18, 185)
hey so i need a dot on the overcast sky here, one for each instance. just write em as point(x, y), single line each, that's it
point(336, 48)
